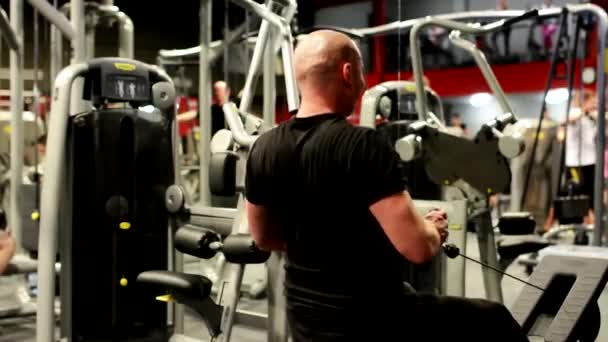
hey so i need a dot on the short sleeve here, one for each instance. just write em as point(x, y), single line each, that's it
point(256, 185)
point(377, 168)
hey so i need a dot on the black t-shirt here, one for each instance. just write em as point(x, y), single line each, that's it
point(217, 119)
point(320, 175)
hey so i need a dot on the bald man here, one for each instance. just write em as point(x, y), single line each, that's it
point(333, 197)
point(221, 95)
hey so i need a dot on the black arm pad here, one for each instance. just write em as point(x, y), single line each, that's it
point(195, 241)
point(241, 249)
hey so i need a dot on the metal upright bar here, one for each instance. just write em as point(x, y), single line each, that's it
point(126, 36)
point(8, 34)
point(256, 62)
point(204, 94)
point(482, 63)
point(291, 86)
point(602, 26)
point(269, 80)
point(54, 17)
point(51, 196)
point(90, 42)
point(77, 18)
point(16, 91)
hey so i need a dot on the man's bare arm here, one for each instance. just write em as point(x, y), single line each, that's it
point(7, 249)
point(264, 227)
point(417, 239)
point(187, 116)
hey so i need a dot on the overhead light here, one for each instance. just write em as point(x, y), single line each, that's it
point(557, 96)
point(480, 99)
point(588, 75)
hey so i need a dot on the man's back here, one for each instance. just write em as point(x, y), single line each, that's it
point(320, 174)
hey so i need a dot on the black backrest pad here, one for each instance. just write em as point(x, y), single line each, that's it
point(582, 281)
point(121, 164)
point(222, 173)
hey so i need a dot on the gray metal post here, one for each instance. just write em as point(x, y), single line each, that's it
point(16, 84)
point(56, 49)
point(126, 36)
point(78, 19)
point(256, 62)
point(291, 86)
point(54, 16)
point(50, 201)
point(204, 98)
point(487, 255)
point(90, 42)
point(270, 80)
point(277, 302)
point(602, 23)
point(484, 67)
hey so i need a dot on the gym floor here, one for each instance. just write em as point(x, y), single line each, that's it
point(23, 329)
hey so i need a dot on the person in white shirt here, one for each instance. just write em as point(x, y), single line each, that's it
point(580, 153)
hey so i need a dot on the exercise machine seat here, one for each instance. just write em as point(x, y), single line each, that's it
point(179, 285)
point(222, 173)
point(189, 289)
point(510, 247)
point(516, 223)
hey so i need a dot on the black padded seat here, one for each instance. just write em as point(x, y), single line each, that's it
point(188, 286)
point(189, 289)
point(510, 247)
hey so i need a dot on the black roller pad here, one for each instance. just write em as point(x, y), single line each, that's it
point(241, 249)
point(561, 312)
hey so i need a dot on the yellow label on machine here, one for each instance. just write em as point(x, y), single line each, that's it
point(124, 225)
point(125, 66)
point(7, 129)
point(455, 227)
point(410, 87)
point(166, 298)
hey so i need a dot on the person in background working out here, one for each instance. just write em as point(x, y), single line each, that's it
point(502, 5)
point(580, 154)
point(221, 95)
point(581, 144)
point(457, 126)
point(332, 196)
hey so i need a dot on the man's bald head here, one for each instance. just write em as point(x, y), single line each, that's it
point(221, 92)
point(328, 64)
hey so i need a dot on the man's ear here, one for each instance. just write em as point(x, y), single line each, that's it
point(347, 73)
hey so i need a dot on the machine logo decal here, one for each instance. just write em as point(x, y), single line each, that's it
point(125, 66)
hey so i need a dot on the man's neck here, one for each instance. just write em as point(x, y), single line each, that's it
point(309, 109)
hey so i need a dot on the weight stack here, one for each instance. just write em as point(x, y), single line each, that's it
point(119, 164)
